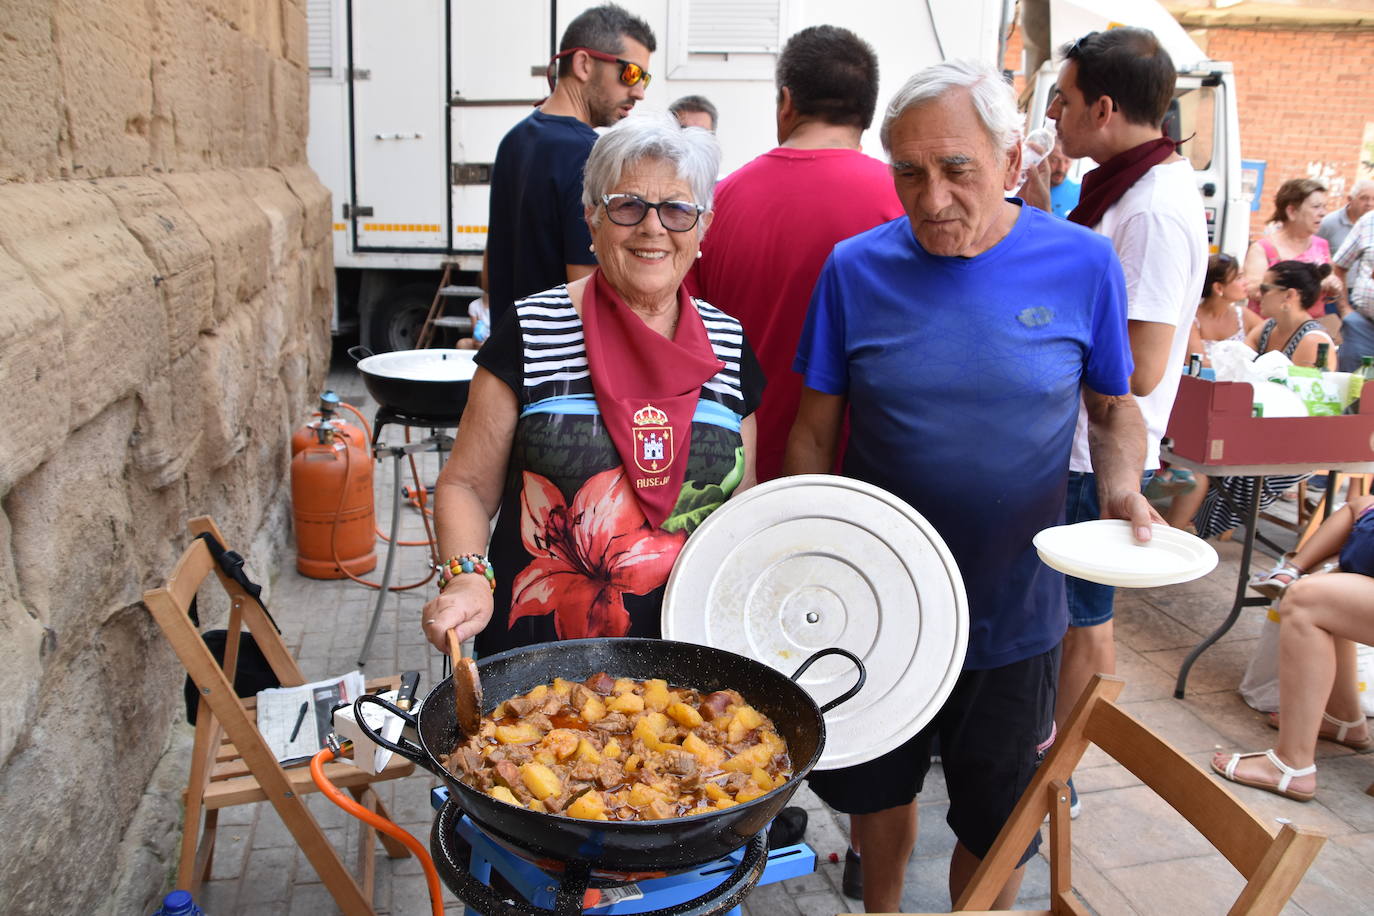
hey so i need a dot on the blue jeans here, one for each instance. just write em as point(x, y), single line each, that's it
point(1357, 339)
point(1090, 604)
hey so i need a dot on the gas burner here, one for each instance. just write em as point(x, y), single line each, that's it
point(467, 857)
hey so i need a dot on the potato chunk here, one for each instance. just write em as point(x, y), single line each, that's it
point(521, 733)
point(684, 715)
point(585, 751)
point(628, 703)
point(749, 793)
point(501, 793)
point(594, 710)
point(749, 716)
point(656, 694)
point(642, 796)
point(540, 780)
point(590, 806)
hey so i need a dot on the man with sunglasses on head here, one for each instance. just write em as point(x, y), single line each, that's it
point(1113, 92)
point(537, 237)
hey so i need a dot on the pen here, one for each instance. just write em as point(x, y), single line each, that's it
point(300, 717)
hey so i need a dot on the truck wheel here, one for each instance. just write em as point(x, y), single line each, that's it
point(395, 320)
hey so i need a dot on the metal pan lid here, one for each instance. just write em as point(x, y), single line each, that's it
point(804, 563)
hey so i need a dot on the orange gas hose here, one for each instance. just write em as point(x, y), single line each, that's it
point(330, 791)
point(334, 548)
point(417, 501)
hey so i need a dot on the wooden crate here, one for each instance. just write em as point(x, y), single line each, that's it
point(1212, 424)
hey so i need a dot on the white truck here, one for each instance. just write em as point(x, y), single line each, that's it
point(409, 102)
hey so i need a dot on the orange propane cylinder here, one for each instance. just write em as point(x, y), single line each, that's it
point(331, 460)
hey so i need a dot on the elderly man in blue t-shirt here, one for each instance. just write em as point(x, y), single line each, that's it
point(958, 341)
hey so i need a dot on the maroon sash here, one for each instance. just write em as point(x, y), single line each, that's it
point(647, 388)
point(1104, 185)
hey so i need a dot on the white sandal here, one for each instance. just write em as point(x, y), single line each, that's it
point(1342, 731)
point(1286, 777)
point(1273, 583)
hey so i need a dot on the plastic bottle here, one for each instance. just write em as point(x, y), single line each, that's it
point(179, 903)
point(1037, 145)
point(1358, 378)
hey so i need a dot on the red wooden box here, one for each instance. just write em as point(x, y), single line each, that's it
point(1212, 424)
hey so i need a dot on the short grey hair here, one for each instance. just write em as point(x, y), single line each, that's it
point(1364, 184)
point(693, 151)
point(993, 99)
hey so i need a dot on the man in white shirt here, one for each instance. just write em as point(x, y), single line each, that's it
point(1353, 263)
point(1113, 92)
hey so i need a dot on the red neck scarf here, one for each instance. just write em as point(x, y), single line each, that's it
point(647, 388)
point(1104, 185)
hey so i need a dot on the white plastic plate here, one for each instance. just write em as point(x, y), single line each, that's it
point(1105, 551)
point(804, 563)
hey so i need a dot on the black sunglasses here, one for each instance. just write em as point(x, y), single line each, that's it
point(630, 210)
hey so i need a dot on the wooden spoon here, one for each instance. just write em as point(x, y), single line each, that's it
point(467, 687)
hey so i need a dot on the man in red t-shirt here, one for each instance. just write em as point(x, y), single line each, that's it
point(777, 217)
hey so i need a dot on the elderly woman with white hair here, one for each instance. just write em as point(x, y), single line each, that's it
point(606, 419)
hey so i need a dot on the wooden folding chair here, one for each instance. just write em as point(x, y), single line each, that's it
point(1272, 863)
point(231, 763)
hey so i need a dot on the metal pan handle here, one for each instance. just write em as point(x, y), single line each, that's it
point(848, 694)
point(359, 353)
point(412, 752)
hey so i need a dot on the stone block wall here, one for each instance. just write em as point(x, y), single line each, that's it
point(165, 285)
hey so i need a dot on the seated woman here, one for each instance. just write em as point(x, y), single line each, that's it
point(608, 417)
point(1221, 315)
point(1299, 205)
point(1287, 293)
point(1288, 290)
point(1320, 620)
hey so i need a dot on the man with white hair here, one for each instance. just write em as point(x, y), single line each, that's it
point(1337, 224)
point(958, 342)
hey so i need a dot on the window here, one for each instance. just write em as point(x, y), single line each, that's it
point(1193, 115)
point(727, 39)
point(320, 37)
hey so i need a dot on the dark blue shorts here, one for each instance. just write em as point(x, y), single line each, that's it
point(1357, 556)
point(994, 730)
point(1090, 604)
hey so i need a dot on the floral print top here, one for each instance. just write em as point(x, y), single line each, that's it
point(573, 554)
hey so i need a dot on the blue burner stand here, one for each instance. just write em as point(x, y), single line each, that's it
point(540, 890)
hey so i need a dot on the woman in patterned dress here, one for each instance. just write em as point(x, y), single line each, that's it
point(608, 417)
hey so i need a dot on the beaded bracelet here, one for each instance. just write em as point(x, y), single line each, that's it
point(467, 563)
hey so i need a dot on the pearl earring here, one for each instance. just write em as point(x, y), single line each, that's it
point(592, 248)
point(698, 252)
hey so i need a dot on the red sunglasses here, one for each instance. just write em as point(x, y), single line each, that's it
point(631, 74)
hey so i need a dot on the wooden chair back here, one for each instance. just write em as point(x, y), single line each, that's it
point(1272, 862)
point(231, 762)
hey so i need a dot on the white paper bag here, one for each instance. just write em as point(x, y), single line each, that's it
point(1364, 677)
point(1260, 685)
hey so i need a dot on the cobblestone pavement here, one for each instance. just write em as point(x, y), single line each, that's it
point(1132, 853)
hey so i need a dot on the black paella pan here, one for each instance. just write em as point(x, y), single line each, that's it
point(624, 849)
